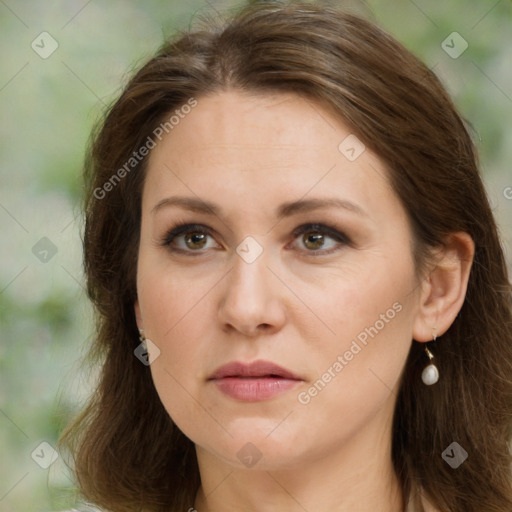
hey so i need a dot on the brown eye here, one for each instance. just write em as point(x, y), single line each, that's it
point(189, 238)
point(319, 239)
point(196, 240)
point(313, 241)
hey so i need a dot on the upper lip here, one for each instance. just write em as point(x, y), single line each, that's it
point(254, 369)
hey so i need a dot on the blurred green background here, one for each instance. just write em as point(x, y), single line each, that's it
point(48, 104)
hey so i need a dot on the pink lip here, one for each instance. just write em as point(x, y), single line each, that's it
point(253, 382)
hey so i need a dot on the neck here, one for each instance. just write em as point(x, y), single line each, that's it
point(355, 476)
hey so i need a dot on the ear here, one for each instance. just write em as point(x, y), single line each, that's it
point(443, 291)
point(138, 315)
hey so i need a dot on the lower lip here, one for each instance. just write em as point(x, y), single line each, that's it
point(254, 389)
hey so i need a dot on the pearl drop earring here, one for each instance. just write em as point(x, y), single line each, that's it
point(430, 374)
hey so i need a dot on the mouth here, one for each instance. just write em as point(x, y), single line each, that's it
point(255, 370)
point(260, 380)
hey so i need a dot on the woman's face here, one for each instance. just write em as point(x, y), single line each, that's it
point(268, 273)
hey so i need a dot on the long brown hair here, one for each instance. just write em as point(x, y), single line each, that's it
point(128, 454)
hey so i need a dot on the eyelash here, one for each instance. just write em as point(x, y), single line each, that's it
point(183, 229)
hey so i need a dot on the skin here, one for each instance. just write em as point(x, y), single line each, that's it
point(248, 154)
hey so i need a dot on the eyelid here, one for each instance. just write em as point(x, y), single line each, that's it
point(183, 228)
point(327, 230)
point(180, 229)
point(323, 228)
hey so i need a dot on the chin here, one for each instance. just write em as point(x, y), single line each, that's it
point(259, 456)
point(255, 446)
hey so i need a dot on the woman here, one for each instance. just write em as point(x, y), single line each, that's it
point(302, 299)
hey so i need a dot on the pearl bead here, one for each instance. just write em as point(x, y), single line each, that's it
point(430, 375)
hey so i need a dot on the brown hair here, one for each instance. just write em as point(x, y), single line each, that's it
point(128, 454)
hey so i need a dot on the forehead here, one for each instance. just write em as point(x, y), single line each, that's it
point(257, 149)
point(269, 122)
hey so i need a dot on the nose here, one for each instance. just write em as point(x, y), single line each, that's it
point(252, 300)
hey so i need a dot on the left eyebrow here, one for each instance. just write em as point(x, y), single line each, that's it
point(307, 205)
point(284, 210)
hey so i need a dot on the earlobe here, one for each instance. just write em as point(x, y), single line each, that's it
point(444, 289)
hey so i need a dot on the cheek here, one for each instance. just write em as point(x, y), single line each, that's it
point(367, 299)
point(356, 374)
point(169, 298)
point(371, 313)
point(175, 319)
point(174, 316)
